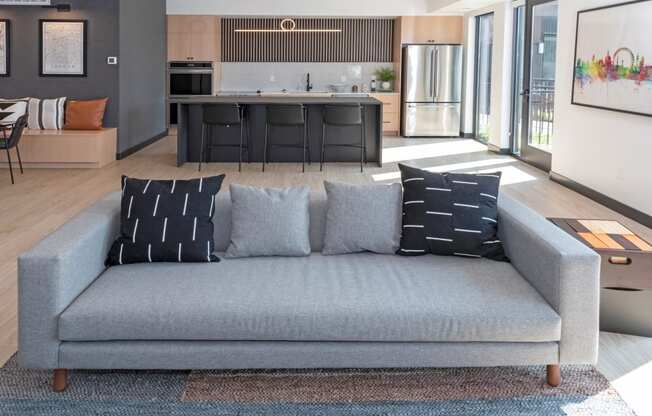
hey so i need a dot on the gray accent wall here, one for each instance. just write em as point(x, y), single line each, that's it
point(102, 79)
point(143, 57)
point(132, 30)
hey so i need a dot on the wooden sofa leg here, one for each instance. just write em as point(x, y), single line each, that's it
point(554, 375)
point(60, 380)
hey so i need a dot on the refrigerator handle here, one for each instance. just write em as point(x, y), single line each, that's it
point(436, 77)
point(431, 90)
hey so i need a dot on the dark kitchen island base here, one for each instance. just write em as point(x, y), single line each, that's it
point(189, 130)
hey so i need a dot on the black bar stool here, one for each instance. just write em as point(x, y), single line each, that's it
point(288, 116)
point(344, 115)
point(223, 115)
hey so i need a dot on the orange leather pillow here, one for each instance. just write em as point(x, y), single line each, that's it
point(85, 115)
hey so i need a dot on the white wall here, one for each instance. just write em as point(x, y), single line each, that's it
point(607, 151)
point(501, 73)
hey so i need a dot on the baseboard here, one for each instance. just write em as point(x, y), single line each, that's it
point(603, 199)
point(467, 135)
point(140, 146)
point(501, 151)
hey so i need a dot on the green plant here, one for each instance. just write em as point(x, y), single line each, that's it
point(385, 74)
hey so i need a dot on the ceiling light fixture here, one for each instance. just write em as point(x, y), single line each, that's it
point(59, 7)
point(288, 26)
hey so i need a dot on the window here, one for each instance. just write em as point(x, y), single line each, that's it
point(518, 88)
point(483, 60)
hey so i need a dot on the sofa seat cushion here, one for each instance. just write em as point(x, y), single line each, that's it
point(355, 297)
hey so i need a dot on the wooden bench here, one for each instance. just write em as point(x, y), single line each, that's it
point(66, 148)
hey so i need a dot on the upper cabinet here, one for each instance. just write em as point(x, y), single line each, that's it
point(193, 38)
point(432, 29)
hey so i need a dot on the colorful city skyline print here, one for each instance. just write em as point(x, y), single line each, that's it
point(622, 65)
point(613, 58)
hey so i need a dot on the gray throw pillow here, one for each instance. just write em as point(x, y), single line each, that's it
point(363, 218)
point(269, 222)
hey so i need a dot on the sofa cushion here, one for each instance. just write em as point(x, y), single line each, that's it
point(166, 221)
point(453, 214)
point(354, 297)
point(362, 218)
point(317, 209)
point(269, 222)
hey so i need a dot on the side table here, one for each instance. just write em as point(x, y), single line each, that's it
point(626, 273)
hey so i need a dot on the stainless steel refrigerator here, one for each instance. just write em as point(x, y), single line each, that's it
point(432, 90)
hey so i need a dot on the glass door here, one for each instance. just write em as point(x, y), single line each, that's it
point(483, 57)
point(518, 94)
point(538, 86)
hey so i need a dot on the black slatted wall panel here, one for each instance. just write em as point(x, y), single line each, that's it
point(360, 40)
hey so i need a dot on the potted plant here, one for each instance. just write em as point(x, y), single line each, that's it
point(386, 76)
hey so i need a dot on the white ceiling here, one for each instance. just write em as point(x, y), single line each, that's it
point(466, 6)
point(323, 7)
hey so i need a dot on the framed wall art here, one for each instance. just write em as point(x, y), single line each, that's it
point(63, 48)
point(613, 58)
point(5, 41)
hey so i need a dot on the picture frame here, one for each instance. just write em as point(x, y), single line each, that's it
point(5, 48)
point(613, 58)
point(63, 48)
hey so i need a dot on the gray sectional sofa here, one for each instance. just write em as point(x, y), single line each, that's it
point(350, 311)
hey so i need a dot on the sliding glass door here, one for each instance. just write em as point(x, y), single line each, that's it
point(518, 89)
point(483, 58)
point(534, 100)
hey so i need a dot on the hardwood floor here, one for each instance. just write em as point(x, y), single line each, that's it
point(42, 200)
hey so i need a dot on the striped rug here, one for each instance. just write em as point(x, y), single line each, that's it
point(450, 392)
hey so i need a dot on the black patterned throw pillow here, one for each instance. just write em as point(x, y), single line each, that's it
point(452, 214)
point(166, 221)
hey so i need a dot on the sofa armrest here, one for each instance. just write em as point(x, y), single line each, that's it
point(53, 273)
point(563, 270)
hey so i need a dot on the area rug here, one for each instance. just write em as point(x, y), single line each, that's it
point(418, 392)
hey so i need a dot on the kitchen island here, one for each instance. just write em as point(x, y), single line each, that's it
point(189, 129)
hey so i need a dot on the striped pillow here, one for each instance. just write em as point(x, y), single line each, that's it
point(46, 114)
point(12, 110)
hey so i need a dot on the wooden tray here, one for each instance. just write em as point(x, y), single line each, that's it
point(626, 257)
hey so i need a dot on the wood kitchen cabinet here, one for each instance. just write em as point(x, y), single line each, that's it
point(391, 112)
point(193, 38)
point(432, 29)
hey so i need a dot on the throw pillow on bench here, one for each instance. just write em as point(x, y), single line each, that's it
point(12, 110)
point(46, 114)
point(85, 115)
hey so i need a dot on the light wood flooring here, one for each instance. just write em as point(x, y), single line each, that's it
point(42, 200)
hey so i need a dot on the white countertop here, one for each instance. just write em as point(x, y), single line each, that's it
point(293, 94)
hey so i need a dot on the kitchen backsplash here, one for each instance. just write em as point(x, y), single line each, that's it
point(276, 76)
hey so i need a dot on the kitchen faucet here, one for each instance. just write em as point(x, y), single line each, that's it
point(308, 84)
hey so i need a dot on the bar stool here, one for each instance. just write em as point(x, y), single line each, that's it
point(287, 115)
point(223, 115)
point(344, 115)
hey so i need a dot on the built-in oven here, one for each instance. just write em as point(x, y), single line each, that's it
point(188, 79)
